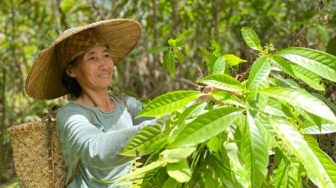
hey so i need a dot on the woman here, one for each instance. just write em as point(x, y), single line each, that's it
point(95, 126)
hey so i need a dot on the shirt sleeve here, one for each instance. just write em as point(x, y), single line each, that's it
point(82, 140)
point(134, 106)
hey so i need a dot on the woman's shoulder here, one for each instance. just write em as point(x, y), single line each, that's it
point(72, 108)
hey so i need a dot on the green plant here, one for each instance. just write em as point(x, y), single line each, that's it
point(250, 132)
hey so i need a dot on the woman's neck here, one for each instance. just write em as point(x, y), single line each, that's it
point(101, 100)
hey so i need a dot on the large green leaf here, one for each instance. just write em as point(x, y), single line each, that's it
point(267, 131)
point(228, 98)
point(180, 171)
point(223, 82)
point(204, 127)
point(169, 102)
point(176, 154)
point(219, 66)
point(233, 60)
point(276, 108)
point(257, 101)
point(220, 163)
point(251, 38)
point(259, 72)
point(316, 61)
point(142, 143)
point(325, 128)
point(140, 173)
point(254, 152)
point(301, 99)
point(191, 112)
point(284, 175)
point(169, 62)
point(327, 163)
point(295, 142)
point(299, 72)
point(331, 105)
point(170, 182)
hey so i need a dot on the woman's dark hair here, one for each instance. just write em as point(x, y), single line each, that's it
point(70, 83)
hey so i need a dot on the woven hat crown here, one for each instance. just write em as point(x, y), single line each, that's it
point(44, 79)
point(76, 45)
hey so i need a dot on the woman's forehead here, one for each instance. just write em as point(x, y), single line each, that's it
point(95, 49)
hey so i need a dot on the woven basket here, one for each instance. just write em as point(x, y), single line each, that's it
point(37, 154)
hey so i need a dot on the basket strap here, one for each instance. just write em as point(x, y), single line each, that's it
point(123, 102)
point(73, 173)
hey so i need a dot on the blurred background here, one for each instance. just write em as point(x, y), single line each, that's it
point(28, 26)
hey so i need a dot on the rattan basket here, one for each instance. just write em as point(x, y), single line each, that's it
point(37, 153)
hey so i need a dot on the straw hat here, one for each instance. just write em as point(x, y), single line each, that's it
point(44, 79)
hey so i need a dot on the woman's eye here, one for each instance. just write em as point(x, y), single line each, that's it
point(92, 58)
point(107, 55)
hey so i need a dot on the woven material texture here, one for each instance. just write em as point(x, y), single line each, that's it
point(44, 79)
point(38, 161)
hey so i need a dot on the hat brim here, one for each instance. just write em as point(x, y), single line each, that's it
point(44, 78)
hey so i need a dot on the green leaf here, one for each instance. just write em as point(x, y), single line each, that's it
point(301, 99)
point(179, 55)
point(177, 154)
point(180, 171)
point(190, 113)
point(169, 102)
point(299, 72)
point(283, 177)
point(251, 38)
point(171, 182)
point(254, 152)
point(276, 108)
point(222, 167)
point(228, 98)
point(176, 42)
point(295, 142)
point(325, 128)
point(204, 127)
point(142, 142)
point(180, 40)
point(233, 60)
point(331, 105)
point(216, 143)
point(328, 164)
point(169, 63)
point(287, 83)
point(316, 61)
point(157, 49)
point(140, 173)
point(223, 82)
point(267, 131)
point(219, 66)
point(259, 72)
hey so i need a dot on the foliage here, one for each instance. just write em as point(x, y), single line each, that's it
point(228, 137)
point(204, 27)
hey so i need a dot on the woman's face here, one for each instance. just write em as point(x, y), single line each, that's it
point(93, 70)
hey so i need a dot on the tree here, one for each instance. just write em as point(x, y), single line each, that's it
point(253, 131)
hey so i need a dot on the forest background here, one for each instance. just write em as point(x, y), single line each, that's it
point(28, 26)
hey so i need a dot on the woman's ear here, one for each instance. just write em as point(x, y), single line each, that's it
point(69, 71)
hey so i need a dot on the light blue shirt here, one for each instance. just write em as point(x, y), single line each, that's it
point(97, 142)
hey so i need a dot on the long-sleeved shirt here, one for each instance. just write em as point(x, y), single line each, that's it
point(96, 138)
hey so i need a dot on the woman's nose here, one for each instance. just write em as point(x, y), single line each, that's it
point(106, 63)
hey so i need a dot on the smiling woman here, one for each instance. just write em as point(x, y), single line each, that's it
point(93, 71)
point(96, 125)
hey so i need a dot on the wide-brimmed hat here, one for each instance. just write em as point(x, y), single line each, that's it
point(44, 78)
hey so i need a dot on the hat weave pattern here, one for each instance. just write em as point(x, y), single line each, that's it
point(76, 45)
point(44, 78)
